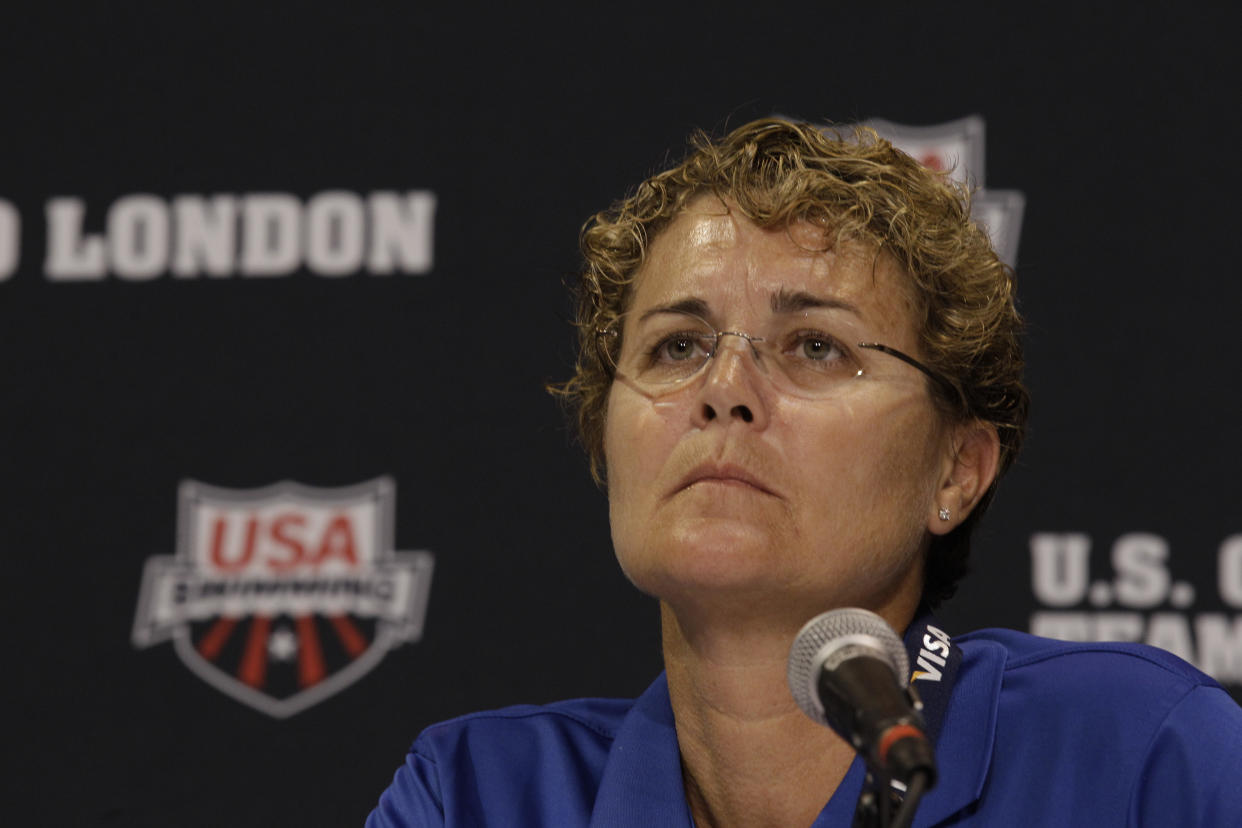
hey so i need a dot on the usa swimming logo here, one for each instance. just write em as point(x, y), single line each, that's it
point(285, 595)
point(958, 148)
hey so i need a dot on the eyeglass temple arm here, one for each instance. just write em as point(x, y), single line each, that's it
point(909, 360)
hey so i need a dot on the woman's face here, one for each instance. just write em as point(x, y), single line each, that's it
point(729, 488)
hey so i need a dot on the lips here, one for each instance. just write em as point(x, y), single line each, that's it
point(723, 473)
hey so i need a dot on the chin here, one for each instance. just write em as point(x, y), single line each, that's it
point(706, 555)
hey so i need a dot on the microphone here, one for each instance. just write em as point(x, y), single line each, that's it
point(848, 670)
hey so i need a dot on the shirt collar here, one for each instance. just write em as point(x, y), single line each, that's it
point(967, 738)
point(642, 782)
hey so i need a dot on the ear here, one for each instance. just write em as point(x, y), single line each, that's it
point(967, 473)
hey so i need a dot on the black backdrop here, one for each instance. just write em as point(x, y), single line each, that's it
point(1118, 123)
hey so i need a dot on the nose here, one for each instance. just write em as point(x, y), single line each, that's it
point(732, 389)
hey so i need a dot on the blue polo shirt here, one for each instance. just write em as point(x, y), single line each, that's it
point(1035, 733)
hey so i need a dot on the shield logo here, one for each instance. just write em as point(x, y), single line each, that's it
point(957, 148)
point(283, 596)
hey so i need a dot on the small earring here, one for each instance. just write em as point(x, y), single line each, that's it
point(945, 514)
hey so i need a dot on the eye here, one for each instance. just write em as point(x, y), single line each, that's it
point(815, 346)
point(677, 347)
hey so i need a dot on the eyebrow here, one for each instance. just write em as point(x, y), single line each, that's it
point(786, 301)
point(783, 301)
point(692, 305)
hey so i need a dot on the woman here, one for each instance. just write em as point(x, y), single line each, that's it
point(800, 377)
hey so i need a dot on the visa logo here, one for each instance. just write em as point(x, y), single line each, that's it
point(932, 655)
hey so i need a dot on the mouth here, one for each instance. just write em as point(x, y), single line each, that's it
point(723, 475)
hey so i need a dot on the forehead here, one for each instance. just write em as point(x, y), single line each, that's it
point(716, 254)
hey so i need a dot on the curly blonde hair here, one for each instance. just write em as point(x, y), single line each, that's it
point(862, 190)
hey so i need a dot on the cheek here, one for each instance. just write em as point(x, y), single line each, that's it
point(638, 437)
point(624, 469)
point(617, 458)
point(638, 441)
point(877, 463)
point(906, 468)
point(626, 454)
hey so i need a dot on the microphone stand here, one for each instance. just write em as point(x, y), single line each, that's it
point(844, 667)
point(879, 798)
point(880, 795)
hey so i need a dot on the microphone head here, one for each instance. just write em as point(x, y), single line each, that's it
point(835, 636)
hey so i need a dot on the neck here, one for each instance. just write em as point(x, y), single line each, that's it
point(749, 755)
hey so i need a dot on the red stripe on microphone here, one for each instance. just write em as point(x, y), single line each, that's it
point(895, 734)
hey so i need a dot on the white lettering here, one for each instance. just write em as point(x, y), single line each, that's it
point(272, 234)
point(1229, 571)
point(1220, 646)
point(138, 237)
point(932, 645)
point(1059, 567)
point(70, 257)
point(936, 641)
point(1170, 631)
point(928, 672)
point(334, 239)
point(1142, 579)
point(1215, 646)
point(206, 235)
point(1117, 626)
point(1067, 626)
point(402, 235)
point(10, 239)
point(336, 233)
